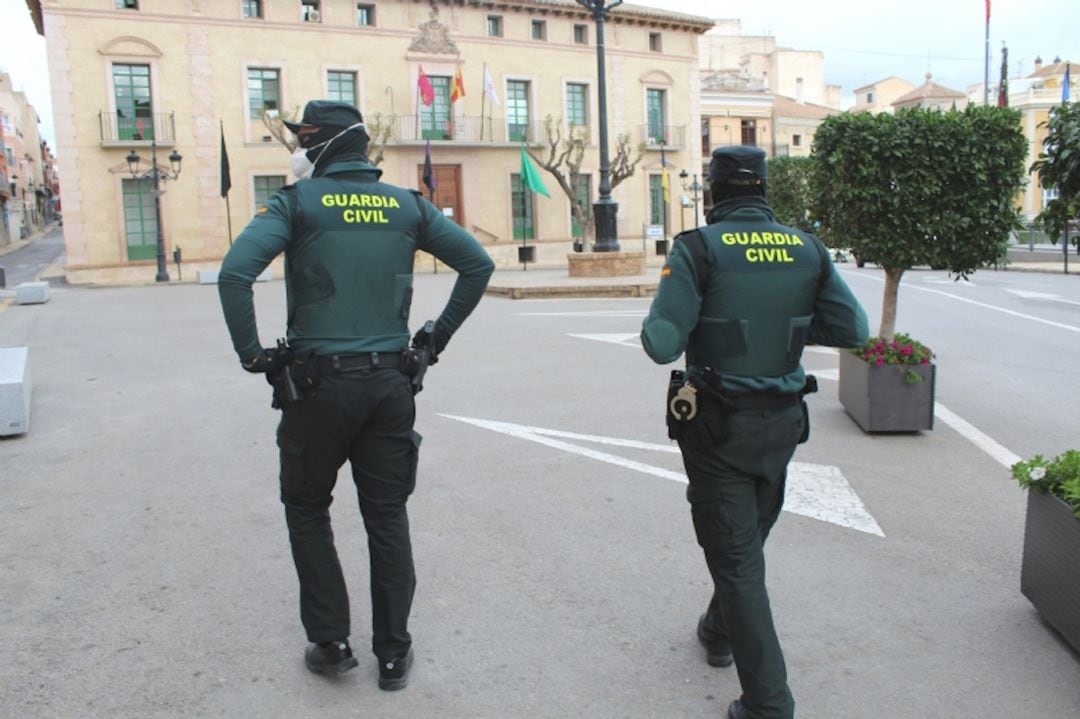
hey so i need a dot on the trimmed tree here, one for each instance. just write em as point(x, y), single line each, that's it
point(1059, 168)
point(789, 191)
point(921, 187)
point(380, 130)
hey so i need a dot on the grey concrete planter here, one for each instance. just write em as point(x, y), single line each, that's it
point(880, 399)
point(1050, 568)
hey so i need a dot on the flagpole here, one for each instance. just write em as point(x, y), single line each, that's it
point(483, 97)
point(986, 60)
point(228, 210)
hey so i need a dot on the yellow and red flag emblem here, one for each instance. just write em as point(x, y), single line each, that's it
point(458, 91)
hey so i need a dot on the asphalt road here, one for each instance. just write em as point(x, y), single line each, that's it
point(26, 263)
point(146, 569)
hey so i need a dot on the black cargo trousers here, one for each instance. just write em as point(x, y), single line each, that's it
point(736, 491)
point(366, 417)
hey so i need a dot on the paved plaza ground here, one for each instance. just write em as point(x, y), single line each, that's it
point(146, 572)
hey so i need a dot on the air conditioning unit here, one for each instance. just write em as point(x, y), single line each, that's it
point(312, 16)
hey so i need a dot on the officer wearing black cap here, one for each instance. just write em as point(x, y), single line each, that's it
point(741, 297)
point(343, 381)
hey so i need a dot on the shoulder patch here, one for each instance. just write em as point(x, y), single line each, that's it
point(261, 210)
point(665, 271)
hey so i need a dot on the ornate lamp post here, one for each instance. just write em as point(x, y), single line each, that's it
point(694, 188)
point(155, 173)
point(605, 209)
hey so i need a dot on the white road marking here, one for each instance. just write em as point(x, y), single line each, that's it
point(627, 339)
point(1071, 328)
point(980, 440)
point(948, 281)
point(813, 490)
point(588, 313)
point(1027, 295)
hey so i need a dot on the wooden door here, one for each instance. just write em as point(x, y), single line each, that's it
point(447, 190)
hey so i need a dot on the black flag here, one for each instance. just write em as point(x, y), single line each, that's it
point(429, 176)
point(226, 180)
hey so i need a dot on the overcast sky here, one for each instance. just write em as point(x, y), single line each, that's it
point(862, 40)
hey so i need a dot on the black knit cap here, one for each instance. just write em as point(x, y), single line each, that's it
point(738, 165)
point(322, 120)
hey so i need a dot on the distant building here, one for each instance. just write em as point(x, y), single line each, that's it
point(174, 72)
point(24, 194)
point(879, 96)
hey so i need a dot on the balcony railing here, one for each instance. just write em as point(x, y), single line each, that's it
point(464, 129)
point(117, 129)
point(671, 136)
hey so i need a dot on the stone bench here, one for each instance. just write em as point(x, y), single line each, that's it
point(15, 389)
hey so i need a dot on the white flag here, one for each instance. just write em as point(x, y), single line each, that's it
point(489, 88)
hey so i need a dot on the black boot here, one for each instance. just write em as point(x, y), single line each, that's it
point(394, 673)
point(717, 653)
point(330, 658)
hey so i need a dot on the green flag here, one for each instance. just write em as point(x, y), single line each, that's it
point(530, 176)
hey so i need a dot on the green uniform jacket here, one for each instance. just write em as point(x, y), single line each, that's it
point(349, 242)
point(744, 295)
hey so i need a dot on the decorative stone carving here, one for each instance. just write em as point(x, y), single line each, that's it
point(434, 38)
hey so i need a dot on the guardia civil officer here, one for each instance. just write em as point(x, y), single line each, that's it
point(741, 297)
point(343, 383)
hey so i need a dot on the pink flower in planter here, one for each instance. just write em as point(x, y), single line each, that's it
point(880, 361)
point(924, 360)
point(907, 350)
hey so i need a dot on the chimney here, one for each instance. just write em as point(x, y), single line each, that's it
point(1038, 63)
point(799, 90)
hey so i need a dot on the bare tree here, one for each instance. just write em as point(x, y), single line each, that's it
point(622, 166)
point(564, 155)
point(380, 129)
point(563, 162)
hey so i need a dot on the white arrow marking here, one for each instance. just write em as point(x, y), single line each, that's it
point(1028, 295)
point(813, 490)
point(627, 339)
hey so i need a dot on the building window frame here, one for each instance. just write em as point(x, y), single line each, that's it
point(253, 9)
point(538, 30)
point(365, 14)
point(263, 188)
point(262, 80)
point(522, 201)
point(656, 42)
point(1049, 194)
point(796, 140)
point(127, 4)
point(656, 115)
point(581, 34)
point(342, 85)
point(577, 104)
point(494, 26)
point(140, 124)
point(139, 213)
point(436, 119)
point(518, 109)
point(310, 10)
point(748, 132)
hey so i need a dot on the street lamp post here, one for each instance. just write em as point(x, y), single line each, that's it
point(605, 210)
point(157, 176)
point(694, 188)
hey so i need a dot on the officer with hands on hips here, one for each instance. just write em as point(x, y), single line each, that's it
point(345, 382)
point(741, 297)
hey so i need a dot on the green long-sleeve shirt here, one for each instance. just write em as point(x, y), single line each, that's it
point(349, 242)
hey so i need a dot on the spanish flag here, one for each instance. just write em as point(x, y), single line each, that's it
point(458, 90)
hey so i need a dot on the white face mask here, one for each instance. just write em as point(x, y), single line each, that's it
point(302, 167)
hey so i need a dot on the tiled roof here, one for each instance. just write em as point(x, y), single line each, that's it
point(929, 90)
point(786, 107)
point(1054, 68)
point(637, 11)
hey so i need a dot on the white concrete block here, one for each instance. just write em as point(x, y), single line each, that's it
point(15, 389)
point(31, 293)
point(265, 276)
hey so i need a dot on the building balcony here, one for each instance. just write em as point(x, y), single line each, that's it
point(466, 130)
point(671, 137)
point(119, 131)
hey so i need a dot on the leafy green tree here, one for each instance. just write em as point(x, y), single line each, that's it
point(789, 191)
point(1059, 167)
point(921, 187)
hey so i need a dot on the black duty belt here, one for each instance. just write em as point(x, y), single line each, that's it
point(335, 364)
point(763, 400)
